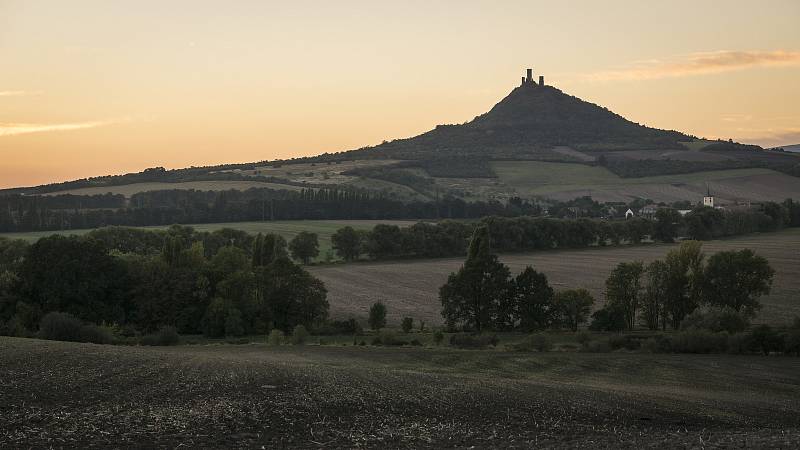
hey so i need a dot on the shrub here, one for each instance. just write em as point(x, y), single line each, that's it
point(716, 320)
point(438, 337)
point(539, 342)
point(416, 343)
point(13, 327)
point(377, 316)
point(407, 324)
point(473, 341)
point(276, 337)
point(387, 338)
point(95, 334)
point(627, 342)
point(57, 326)
point(656, 344)
point(739, 343)
point(349, 326)
point(792, 342)
point(766, 340)
point(299, 335)
point(166, 335)
point(599, 346)
point(699, 341)
point(608, 318)
point(583, 338)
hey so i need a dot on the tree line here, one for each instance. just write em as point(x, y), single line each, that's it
point(66, 212)
point(524, 233)
point(484, 296)
point(220, 284)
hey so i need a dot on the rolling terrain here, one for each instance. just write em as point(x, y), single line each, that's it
point(411, 288)
point(537, 142)
point(58, 394)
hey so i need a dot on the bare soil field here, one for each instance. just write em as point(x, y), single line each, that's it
point(58, 394)
point(410, 288)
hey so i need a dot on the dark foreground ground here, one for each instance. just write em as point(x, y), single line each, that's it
point(55, 394)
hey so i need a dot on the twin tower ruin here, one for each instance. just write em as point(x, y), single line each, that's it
point(529, 79)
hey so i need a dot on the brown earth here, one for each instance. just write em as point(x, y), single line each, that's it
point(410, 288)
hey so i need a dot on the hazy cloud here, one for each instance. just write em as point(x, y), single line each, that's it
point(697, 64)
point(18, 93)
point(11, 129)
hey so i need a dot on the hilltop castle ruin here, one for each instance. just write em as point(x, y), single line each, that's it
point(528, 79)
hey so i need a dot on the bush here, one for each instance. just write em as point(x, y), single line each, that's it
point(387, 338)
point(656, 344)
point(539, 342)
point(276, 337)
point(407, 324)
point(699, 341)
point(766, 340)
point(57, 326)
point(739, 343)
point(166, 335)
point(95, 334)
point(416, 343)
point(473, 341)
point(608, 318)
point(13, 327)
point(377, 316)
point(627, 342)
point(438, 337)
point(350, 326)
point(299, 335)
point(583, 338)
point(716, 320)
point(599, 346)
point(792, 342)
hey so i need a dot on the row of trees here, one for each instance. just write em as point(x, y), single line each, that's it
point(515, 234)
point(249, 286)
point(483, 295)
point(63, 212)
point(664, 292)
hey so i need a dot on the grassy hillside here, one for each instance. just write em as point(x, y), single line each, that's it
point(77, 395)
point(410, 288)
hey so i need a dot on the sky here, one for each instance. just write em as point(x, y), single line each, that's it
point(91, 88)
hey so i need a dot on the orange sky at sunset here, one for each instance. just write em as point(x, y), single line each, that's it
point(92, 88)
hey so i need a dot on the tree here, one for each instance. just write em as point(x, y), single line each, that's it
point(610, 317)
point(623, 289)
point(737, 279)
point(407, 324)
point(667, 222)
point(574, 306)
point(347, 243)
point(288, 296)
point(384, 241)
point(377, 316)
point(654, 311)
point(267, 249)
point(75, 276)
point(304, 246)
point(531, 301)
point(684, 281)
point(476, 294)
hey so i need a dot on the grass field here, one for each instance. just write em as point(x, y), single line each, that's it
point(58, 394)
point(288, 229)
point(410, 288)
point(564, 181)
point(221, 185)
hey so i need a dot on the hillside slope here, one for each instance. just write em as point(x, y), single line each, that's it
point(531, 119)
